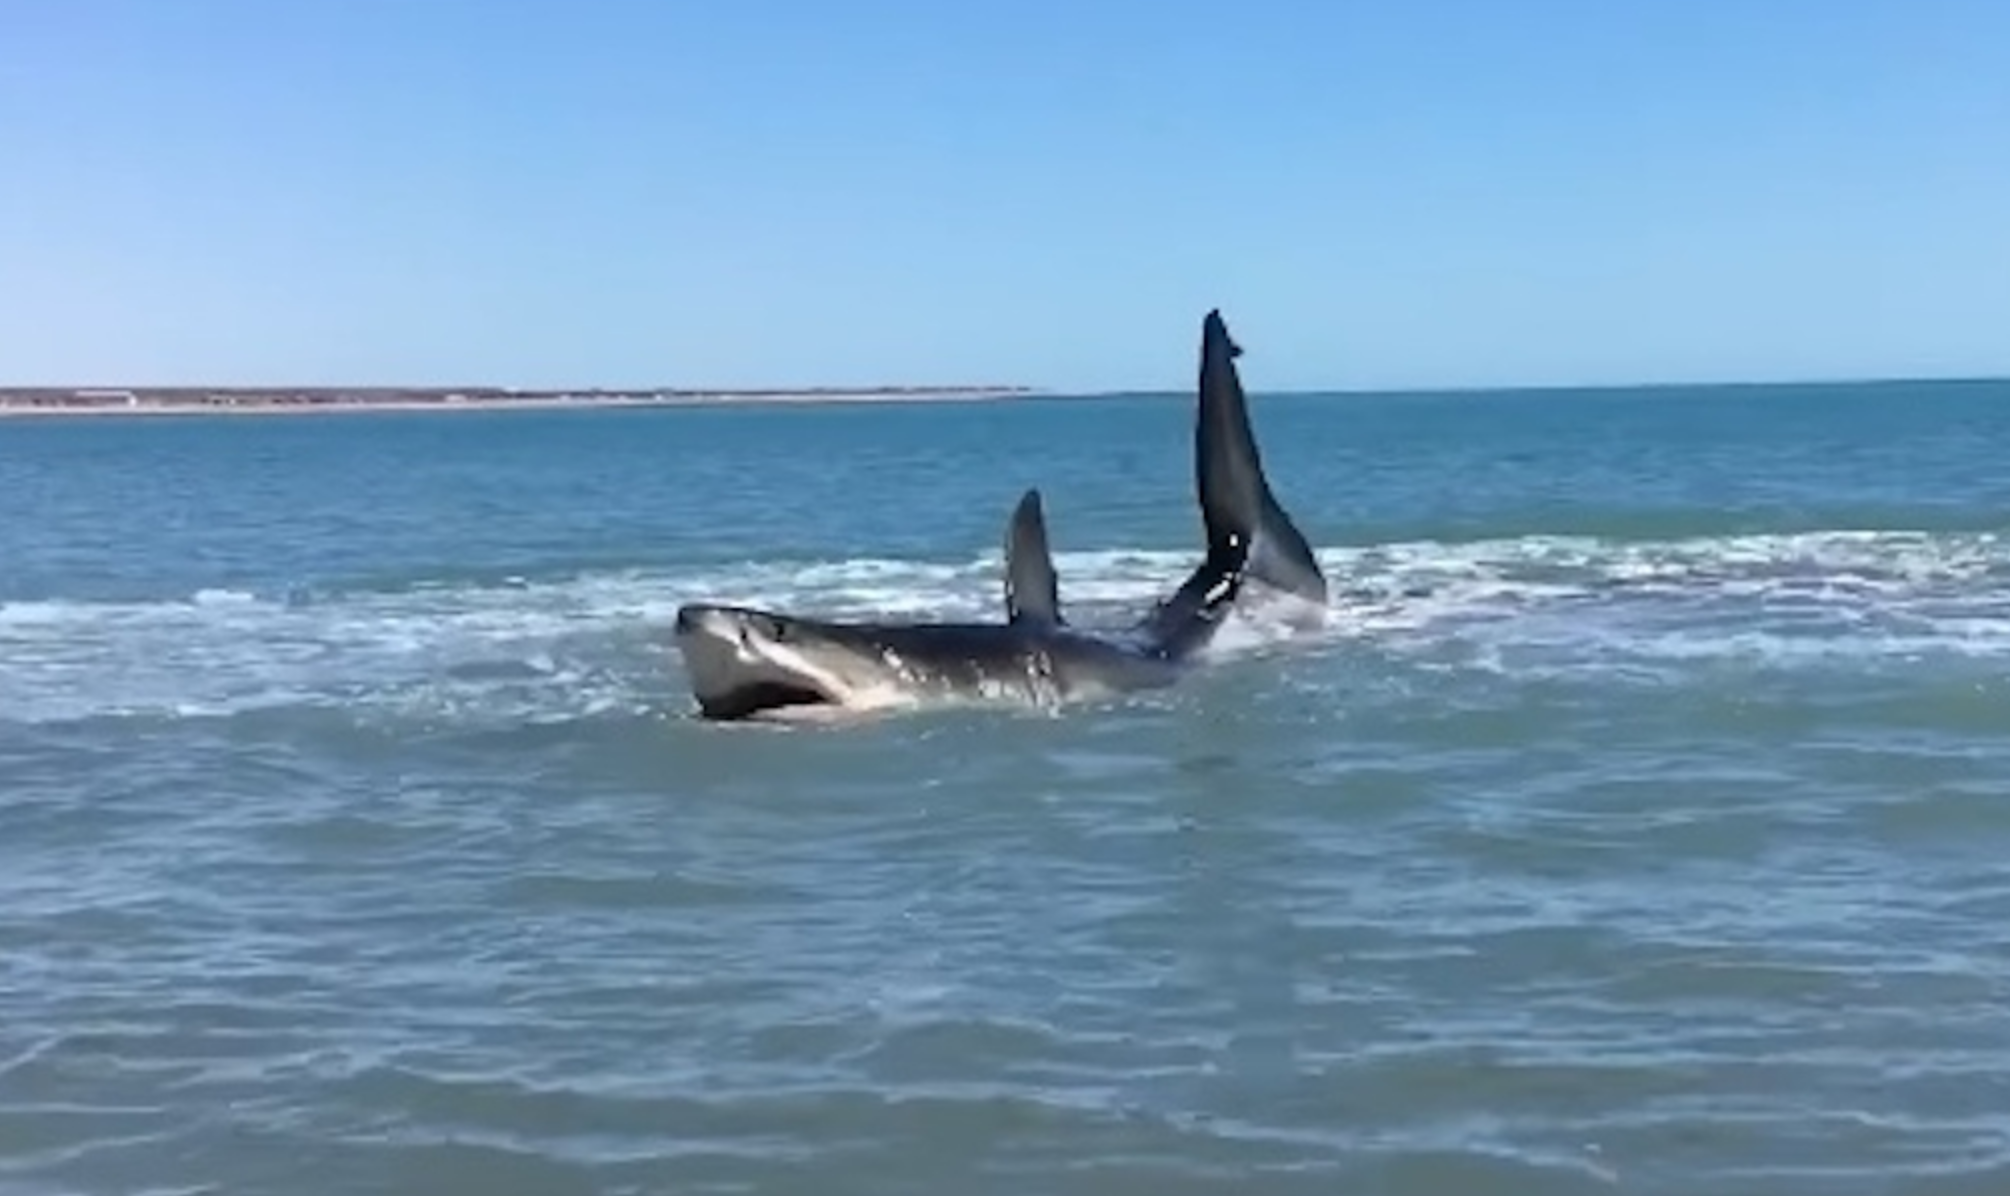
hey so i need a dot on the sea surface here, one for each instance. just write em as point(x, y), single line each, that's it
point(1640, 823)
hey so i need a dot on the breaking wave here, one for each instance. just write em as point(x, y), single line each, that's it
point(560, 648)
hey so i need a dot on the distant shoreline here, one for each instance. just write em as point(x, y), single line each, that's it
point(64, 402)
point(59, 402)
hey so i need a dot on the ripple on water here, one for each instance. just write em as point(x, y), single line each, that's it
point(1559, 865)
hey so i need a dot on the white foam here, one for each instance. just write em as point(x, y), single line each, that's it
point(563, 648)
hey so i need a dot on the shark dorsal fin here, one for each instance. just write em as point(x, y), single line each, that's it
point(1032, 593)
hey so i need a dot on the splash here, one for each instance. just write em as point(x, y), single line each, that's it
point(528, 649)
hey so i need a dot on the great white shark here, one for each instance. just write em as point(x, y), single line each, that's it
point(746, 663)
point(1235, 496)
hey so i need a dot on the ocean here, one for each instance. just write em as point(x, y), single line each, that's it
point(1638, 825)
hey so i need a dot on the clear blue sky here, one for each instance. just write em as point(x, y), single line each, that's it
point(724, 192)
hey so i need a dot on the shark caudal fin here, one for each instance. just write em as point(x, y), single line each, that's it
point(1032, 592)
point(1185, 623)
point(1235, 499)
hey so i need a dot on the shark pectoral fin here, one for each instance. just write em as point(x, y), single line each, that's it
point(1032, 592)
point(1235, 497)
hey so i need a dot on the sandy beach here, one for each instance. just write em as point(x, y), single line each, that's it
point(67, 402)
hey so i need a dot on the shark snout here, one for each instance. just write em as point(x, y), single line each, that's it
point(699, 621)
point(695, 620)
point(732, 625)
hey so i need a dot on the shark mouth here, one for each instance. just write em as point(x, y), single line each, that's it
point(757, 698)
point(739, 672)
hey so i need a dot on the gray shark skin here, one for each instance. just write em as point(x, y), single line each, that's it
point(1234, 493)
point(749, 664)
point(1241, 517)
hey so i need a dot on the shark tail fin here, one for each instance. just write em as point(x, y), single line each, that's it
point(1187, 621)
point(1235, 498)
point(1032, 591)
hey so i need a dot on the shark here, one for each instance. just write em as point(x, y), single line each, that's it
point(748, 663)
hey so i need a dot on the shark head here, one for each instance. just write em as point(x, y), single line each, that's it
point(746, 663)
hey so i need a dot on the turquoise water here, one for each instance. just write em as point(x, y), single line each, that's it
point(1638, 824)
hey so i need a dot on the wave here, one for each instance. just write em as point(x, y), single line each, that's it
point(516, 649)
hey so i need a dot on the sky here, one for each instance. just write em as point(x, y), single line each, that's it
point(630, 193)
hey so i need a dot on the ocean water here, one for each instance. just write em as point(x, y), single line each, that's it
point(1639, 824)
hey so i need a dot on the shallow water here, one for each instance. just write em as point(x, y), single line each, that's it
point(1636, 825)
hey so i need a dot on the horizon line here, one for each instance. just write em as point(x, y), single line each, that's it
point(1559, 387)
point(475, 390)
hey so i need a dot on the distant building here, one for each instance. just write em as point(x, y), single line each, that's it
point(107, 395)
